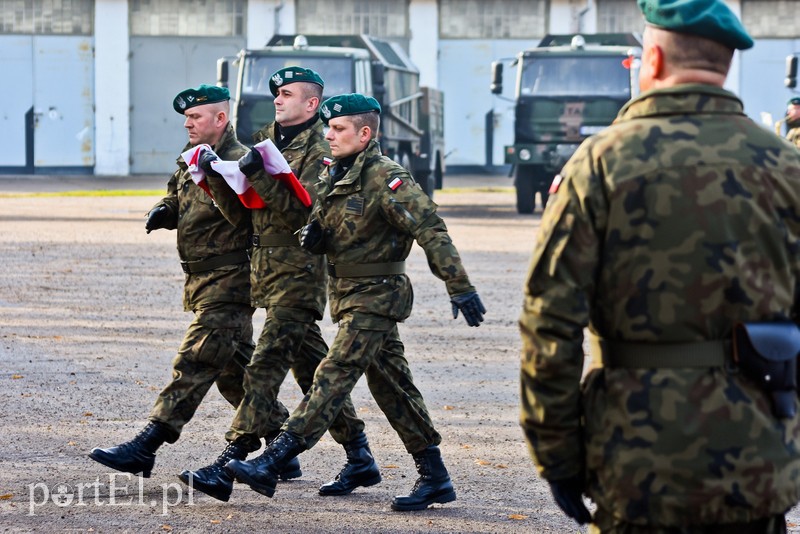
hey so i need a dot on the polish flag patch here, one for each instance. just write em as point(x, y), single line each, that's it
point(395, 183)
point(554, 185)
point(327, 161)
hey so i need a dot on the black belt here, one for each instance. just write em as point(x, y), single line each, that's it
point(623, 354)
point(358, 270)
point(274, 240)
point(215, 262)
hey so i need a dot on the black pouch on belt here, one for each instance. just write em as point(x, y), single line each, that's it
point(767, 354)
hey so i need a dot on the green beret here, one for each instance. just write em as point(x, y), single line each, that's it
point(352, 104)
point(205, 94)
point(794, 101)
point(289, 75)
point(711, 19)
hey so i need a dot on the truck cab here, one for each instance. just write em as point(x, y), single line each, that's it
point(567, 88)
point(411, 118)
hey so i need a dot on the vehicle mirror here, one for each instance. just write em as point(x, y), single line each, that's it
point(378, 86)
point(497, 78)
point(222, 72)
point(791, 72)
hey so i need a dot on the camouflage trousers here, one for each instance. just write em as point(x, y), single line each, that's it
point(216, 348)
point(371, 346)
point(605, 523)
point(290, 339)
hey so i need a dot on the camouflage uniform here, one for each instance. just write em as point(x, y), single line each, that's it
point(289, 282)
point(675, 222)
point(218, 343)
point(365, 221)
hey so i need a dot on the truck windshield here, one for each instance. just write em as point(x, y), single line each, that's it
point(336, 72)
point(575, 76)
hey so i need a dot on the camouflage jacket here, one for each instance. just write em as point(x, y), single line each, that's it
point(793, 136)
point(203, 233)
point(288, 276)
point(372, 215)
point(680, 219)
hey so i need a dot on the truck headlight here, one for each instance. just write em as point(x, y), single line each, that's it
point(525, 154)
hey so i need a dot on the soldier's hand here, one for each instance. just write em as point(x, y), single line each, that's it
point(311, 236)
point(156, 218)
point(251, 163)
point(204, 162)
point(568, 494)
point(470, 306)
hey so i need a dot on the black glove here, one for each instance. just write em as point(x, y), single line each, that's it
point(156, 218)
point(471, 307)
point(311, 236)
point(204, 162)
point(568, 495)
point(251, 163)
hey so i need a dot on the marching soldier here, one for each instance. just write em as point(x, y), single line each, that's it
point(213, 253)
point(367, 214)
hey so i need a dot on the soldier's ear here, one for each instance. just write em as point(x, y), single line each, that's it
point(365, 134)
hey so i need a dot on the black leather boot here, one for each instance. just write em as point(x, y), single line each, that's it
point(292, 468)
point(360, 469)
point(213, 480)
point(262, 473)
point(432, 486)
point(137, 455)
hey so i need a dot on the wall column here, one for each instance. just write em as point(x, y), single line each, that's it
point(112, 87)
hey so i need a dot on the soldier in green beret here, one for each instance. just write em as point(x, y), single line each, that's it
point(289, 283)
point(661, 233)
point(793, 121)
point(367, 215)
point(213, 254)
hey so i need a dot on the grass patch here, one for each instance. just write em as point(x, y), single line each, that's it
point(98, 193)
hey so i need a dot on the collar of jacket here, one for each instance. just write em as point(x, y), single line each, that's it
point(270, 132)
point(221, 147)
point(351, 181)
point(686, 99)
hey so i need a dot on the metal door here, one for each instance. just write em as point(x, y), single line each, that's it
point(47, 113)
point(63, 102)
point(161, 67)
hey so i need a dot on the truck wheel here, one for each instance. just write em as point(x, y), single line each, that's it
point(438, 173)
point(427, 181)
point(526, 192)
point(526, 196)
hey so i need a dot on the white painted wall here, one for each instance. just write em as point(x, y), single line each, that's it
point(112, 88)
point(268, 17)
point(423, 21)
point(573, 16)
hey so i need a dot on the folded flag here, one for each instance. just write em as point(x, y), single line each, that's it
point(229, 170)
point(275, 164)
point(191, 158)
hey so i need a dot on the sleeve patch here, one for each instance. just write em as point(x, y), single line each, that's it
point(395, 183)
point(554, 185)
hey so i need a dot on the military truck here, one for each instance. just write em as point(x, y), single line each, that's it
point(567, 88)
point(412, 119)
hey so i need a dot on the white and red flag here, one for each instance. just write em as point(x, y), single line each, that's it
point(274, 164)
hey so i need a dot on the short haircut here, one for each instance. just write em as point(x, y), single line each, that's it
point(371, 119)
point(311, 90)
point(694, 52)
